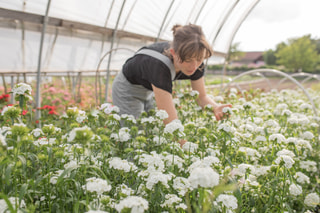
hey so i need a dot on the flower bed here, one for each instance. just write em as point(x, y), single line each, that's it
point(264, 157)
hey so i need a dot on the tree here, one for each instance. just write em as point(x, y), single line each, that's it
point(269, 57)
point(234, 53)
point(299, 55)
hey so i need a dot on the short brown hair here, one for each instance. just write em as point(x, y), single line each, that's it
point(189, 42)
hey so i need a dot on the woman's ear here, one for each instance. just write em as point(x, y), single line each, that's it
point(173, 53)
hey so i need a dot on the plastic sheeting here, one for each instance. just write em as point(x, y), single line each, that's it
point(133, 23)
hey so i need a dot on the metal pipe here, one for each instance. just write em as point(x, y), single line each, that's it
point(164, 20)
point(236, 28)
point(110, 55)
point(38, 104)
point(200, 11)
point(280, 73)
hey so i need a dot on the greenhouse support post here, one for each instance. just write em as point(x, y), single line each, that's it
point(110, 55)
point(38, 104)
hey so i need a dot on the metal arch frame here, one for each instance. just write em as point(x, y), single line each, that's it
point(309, 76)
point(241, 20)
point(200, 11)
point(97, 70)
point(255, 71)
point(111, 47)
point(227, 15)
point(38, 104)
point(236, 28)
point(165, 27)
point(164, 19)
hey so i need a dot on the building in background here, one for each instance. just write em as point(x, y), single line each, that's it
point(249, 59)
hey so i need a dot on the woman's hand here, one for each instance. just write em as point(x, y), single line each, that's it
point(218, 111)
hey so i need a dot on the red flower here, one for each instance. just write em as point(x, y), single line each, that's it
point(5, 97)
point(52, 112)
point(24, 112)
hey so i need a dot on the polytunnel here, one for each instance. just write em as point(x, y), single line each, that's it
point(79, 37)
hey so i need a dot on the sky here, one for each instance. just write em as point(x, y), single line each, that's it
point(274, 21)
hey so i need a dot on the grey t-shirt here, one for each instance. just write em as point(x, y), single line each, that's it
point(146, 70)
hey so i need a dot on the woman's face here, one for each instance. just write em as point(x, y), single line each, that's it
point(187, 67)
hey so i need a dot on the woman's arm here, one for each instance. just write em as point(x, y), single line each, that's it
point(164, 101)
point(204, 99)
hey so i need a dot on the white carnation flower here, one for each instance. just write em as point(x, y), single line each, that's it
point(37, 132)
point(162, 114)
point(173, 126)
point(135, 203)
point(194, 93)
point(97, 185)
point(229, 201)
point(288, 161)
point(190, 147)
point(13, 201)
point(302, 178)
point(312, 200)
point(3, 140)
point(171, 200)
point(122, 165)
point(181, 185)
point(295, 189)
point(277, 137)
point(203, 177)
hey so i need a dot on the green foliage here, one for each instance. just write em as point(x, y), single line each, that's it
point(269, 57)
point(299, 55)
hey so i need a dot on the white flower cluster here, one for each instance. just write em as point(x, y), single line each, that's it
point(203, 177)
point(194, 93)
point(229, 201)
point(44, 141)
point(54, 177)
point(81, 116)
point(123, 135)
point(288, 161)
point(158, 177)
point(7, 108)
point(158, 140)
point(174, 126)
point(312, 200)
point(153, 162)
point(124, 190)
point(122, 165)
point(302, 178)
point(277, 137)
point(13, 201)
point(73, 132)
point(134, 203)
point(171, 200)
point(37, 132)
point(97, 185)
point(182, 185)
point(310, 166)
point(22, 89)
point(3, 140)
point(190, 147)
point(162, 114)
point(295, 189)
point(108, 108)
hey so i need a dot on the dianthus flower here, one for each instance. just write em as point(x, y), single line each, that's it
point(97, 185)
point(229, 201)
point(203, 177)
point(134, 203)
